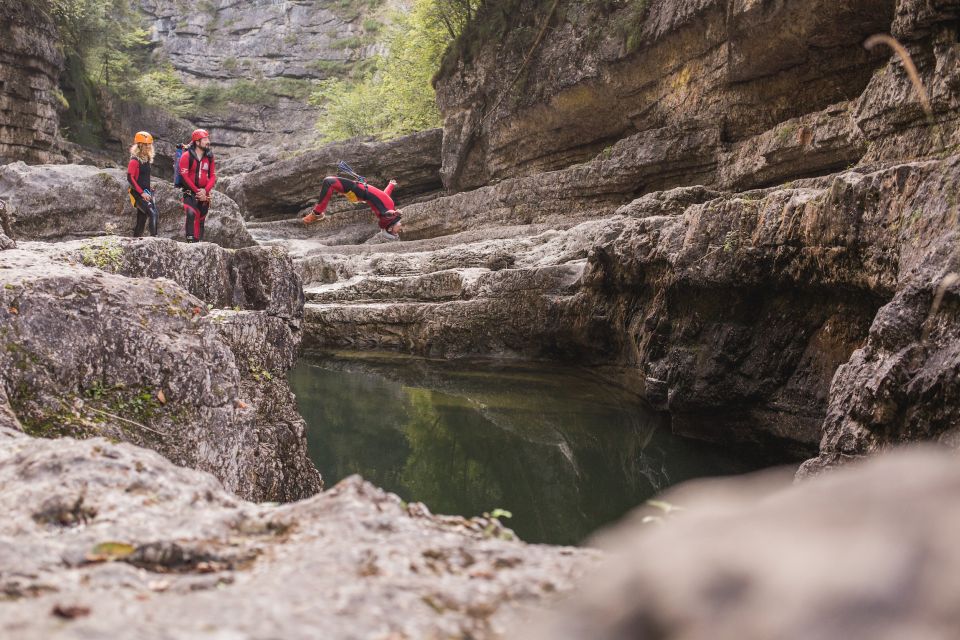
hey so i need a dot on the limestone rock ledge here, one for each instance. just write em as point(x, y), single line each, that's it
point(98, 537)
point(734, 311)
point(63, 202)
point(105, 338)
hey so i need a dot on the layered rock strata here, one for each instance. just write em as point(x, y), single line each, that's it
point(734, 311)
point(767, 105)
point(100, 537)
point(121, 338)
point(30, 65)
point(275, 48)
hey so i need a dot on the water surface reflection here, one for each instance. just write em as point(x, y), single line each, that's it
point(563, 450)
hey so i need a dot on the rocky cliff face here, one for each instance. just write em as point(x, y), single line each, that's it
point(30, 65)
point(713, 75)
point(178, 348)
point(275, 48)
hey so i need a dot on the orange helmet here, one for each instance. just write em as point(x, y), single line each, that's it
point(198, 134)
point(143, 137)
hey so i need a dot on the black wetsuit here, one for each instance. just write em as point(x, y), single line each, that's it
point(138, 175)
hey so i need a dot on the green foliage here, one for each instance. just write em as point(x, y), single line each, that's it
point(330, 67)
point(632, 26)
point(104, 45)
point(248, 92)
point(106, 254)
point(350, 42)
point(349, 10)
point(396, 97)
point(164, 88)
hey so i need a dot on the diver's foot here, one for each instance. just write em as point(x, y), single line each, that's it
point(312, 217)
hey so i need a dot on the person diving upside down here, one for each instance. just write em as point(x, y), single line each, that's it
point(388, 216)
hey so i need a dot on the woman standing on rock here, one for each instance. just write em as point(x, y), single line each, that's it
point(138, 175)
point(388, 216)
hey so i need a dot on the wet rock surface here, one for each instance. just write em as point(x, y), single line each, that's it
point(106, 536)
point(87, 351)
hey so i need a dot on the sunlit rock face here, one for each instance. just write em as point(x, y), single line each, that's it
point(30, 64)
point(276, 48)
point(178, 348)
point(119, 540)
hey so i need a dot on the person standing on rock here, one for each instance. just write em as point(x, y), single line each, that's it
point(138, 175)
point(388, 216)
point(198, 174)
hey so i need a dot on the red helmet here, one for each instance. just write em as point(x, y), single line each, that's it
point(199, 133)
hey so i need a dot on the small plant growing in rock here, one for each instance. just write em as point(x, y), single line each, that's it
point(105, 254)
point(494, 527)
point(259, 373)
point(667, 509)
point(731, 241)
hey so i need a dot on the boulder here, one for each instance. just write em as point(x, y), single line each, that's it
point(88, 352)
point(286, 187)
point(61, 202)
point(867, 552)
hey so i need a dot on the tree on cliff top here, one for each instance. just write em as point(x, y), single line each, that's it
point(103, 44)
point(398, 97)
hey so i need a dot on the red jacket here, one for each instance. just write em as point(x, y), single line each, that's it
point(198, 174)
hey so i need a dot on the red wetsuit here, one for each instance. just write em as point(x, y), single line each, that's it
point(197, 173)
point(379, 200)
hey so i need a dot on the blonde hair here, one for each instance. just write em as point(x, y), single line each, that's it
point(137, 151)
